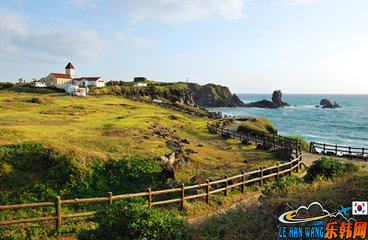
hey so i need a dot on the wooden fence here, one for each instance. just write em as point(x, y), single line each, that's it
point(345, 151)
point(206, 189)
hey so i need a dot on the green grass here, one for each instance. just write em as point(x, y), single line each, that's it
point(54, 144)
point(258, 124)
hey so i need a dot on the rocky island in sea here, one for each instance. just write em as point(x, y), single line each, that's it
point(276, 102)
point(325, 103)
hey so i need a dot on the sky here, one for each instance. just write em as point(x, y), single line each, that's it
point(251, 46)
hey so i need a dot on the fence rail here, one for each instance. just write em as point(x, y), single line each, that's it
point(337, 150)
point(209, 188)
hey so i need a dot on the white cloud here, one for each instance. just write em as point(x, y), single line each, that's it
point(21, 42)
point(181, 10)
point(138, 41)
point(299, 2)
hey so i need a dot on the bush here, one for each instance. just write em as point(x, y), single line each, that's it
point(133, 221)
point(5, 85)
point(329, 168)
point(282, 185)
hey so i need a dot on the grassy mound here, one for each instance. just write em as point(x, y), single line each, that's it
point(31, 90)
point(258, 124)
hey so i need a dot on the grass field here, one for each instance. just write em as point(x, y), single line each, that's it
point(109, 127)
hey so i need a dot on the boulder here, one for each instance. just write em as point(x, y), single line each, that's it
point(246, 142)
point(186, 141)
point(168, 172)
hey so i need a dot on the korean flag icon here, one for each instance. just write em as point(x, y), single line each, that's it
point(359, 208)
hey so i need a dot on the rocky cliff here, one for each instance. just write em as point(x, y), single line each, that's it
point(209, 95)
point(212, 95)
point(276, 102)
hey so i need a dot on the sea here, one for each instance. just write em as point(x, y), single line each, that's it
point(343, 126)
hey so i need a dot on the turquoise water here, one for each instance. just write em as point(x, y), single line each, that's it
point(345, 126)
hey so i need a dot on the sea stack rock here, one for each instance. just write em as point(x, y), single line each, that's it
point(276, 102)
point(325, 103)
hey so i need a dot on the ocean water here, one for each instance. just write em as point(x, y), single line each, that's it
point(344, 126)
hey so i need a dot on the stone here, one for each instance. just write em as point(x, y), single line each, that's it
point(178, 165)
point(173, 117)
point(246, 142)
point(173, 144)
point(190, 151)
point(186, 141)
point(199, 145)
point(146, 137)
point(167, 172)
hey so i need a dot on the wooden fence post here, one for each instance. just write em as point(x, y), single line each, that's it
point(226, 185)
point(336, 150)
point(261, 173)
point(58, 213)
point(310, 147)
point(149, 190)
point(349, 150)
point(324, 148)
point(278, 172)
point(182, 197)
point(243, 179)
point(208, 192)
point(297, 166)
point(291, 166)
point(363, 152)
point(109, 201)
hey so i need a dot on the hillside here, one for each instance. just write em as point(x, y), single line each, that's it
point(209, 95)
point(55, 144)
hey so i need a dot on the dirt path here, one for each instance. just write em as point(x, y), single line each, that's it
point(247, 199)
point(309, 158)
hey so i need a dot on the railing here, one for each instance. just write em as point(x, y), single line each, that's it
point(337, 150)
point(209, 188)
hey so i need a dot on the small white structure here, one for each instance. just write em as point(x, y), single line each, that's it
point(38, 84)
point(140, 84)
point(157, 101)
point(73, 90)
point(89, 81)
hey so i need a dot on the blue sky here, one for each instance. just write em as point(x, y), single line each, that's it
point(252, 46)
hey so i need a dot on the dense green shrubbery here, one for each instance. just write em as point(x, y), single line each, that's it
point(29, 89)
point(328, 168)
point(119, 177)
point(5, 85)
point(133, 221)
point(29, 172)
point(282, 185)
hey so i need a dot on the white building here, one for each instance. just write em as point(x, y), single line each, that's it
point(70, 79)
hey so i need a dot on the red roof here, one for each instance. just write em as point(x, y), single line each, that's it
point(69, 66)
point(61, 75)
point(91, 78)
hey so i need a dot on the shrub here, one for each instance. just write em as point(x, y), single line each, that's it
point(282, 185)
point(5, 85)
point(329, 168)
point(133, 221)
